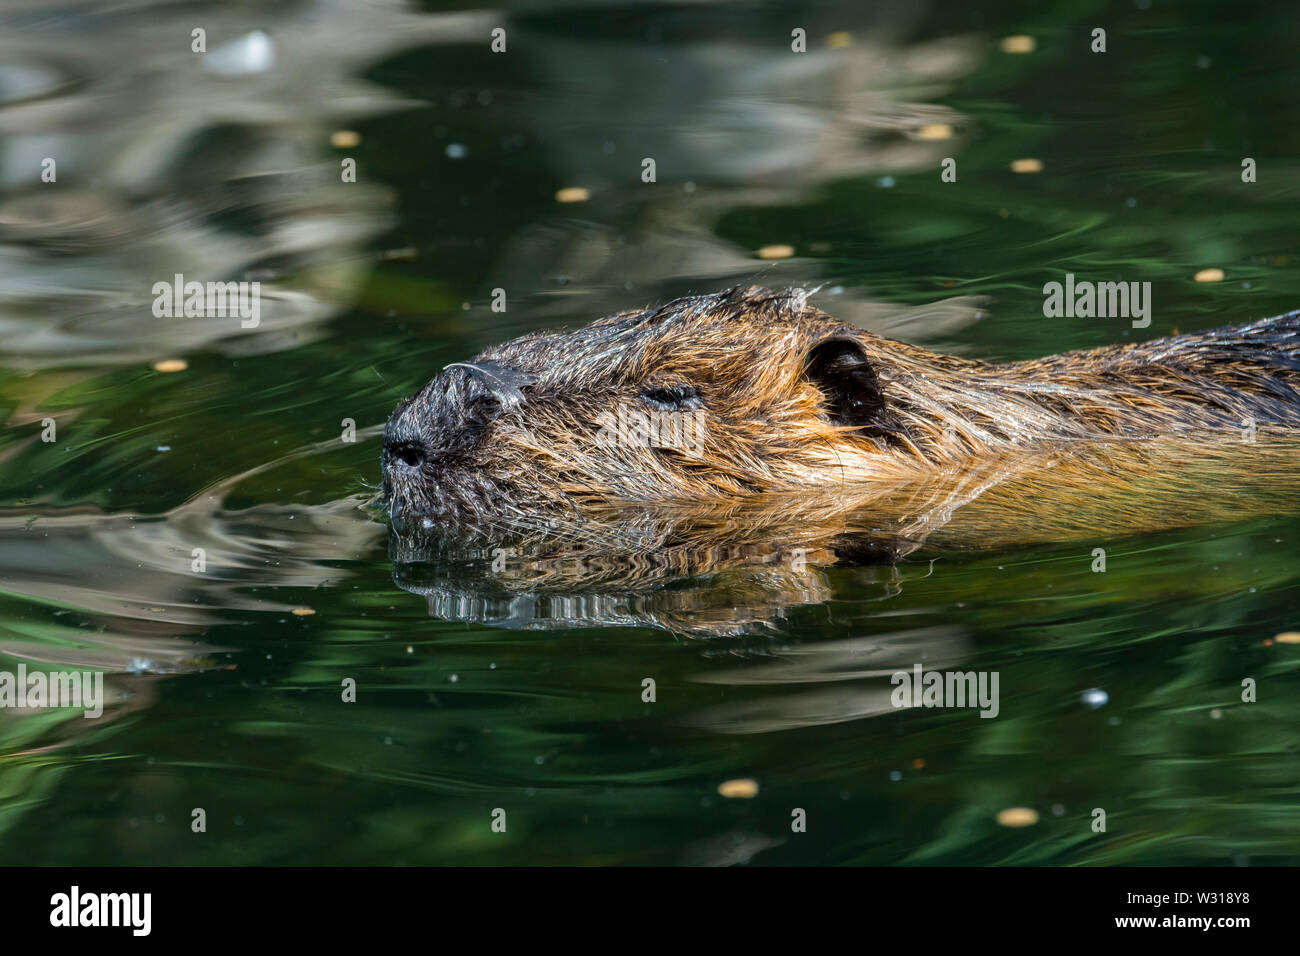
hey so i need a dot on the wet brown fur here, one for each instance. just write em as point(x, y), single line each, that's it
point(528, 450)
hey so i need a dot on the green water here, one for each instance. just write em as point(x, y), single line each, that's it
point(472, 698)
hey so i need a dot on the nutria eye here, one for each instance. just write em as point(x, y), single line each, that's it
point(673, 397)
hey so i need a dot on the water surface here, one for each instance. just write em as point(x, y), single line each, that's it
point(477, 691)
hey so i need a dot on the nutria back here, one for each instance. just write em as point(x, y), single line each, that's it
point(748, 393)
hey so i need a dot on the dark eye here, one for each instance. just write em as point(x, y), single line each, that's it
point(672, 397)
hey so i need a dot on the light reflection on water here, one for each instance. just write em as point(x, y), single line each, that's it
point(479, 690)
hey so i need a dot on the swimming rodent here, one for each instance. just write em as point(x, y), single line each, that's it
point(753, 394)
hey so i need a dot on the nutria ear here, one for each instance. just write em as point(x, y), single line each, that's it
point(851, 392)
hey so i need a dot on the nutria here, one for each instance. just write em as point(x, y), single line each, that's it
point(788, 401)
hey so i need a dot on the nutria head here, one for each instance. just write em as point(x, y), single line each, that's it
point(750, 391)
point(711, 396)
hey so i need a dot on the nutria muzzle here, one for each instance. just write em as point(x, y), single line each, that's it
point(430, 440)
point(774, 397)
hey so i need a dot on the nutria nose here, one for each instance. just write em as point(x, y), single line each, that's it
point(409, 454)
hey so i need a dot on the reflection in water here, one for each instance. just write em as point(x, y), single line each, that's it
point(766, 127)
point(167, 161)
point(723, 572)
point(149, 605)
point(218, 172)
point(854, 670)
